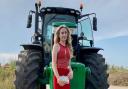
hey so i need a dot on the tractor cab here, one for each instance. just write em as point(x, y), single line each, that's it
point(81, 28)
point(70, 11)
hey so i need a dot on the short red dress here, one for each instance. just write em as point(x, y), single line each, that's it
point(63, 58)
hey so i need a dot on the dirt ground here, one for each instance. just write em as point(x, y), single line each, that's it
point(118, 79)
point(117, 87)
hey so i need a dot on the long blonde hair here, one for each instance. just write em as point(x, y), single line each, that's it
point(69, 39)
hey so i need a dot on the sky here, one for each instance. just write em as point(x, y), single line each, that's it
point(112, 34)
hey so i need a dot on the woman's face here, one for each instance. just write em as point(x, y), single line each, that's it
point(63, 34)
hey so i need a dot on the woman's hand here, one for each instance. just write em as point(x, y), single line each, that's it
point(60, 82)
point(70, 74)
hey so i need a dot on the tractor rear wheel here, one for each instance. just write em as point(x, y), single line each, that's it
point(27, 70)
point(98, 77)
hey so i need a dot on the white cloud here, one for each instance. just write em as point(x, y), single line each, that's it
point(7, 57)
point(102, 35)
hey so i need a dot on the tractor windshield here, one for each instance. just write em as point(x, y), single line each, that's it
point(54, 18)
point(74, 4)
point(85, 32)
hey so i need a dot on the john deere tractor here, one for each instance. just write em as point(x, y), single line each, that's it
point(33, 68)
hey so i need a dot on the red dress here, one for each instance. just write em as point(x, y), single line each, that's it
point(63, 58)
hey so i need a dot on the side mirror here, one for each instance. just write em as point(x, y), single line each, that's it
point(94, 23)
point(29, 21)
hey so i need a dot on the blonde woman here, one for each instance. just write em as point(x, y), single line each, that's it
point(61, 57)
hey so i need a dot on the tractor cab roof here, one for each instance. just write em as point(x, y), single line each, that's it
point(74, 4)
point(60, 10)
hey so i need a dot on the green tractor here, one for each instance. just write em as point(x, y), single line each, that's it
point(33, 68)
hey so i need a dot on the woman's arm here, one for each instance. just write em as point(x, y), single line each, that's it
point(54, 60)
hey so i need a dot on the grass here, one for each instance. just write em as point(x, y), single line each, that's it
point(7, 76)
point(114, 69)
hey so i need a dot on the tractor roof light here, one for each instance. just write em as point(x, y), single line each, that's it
point(49, 10)
point(72, 11)
point(43, 10)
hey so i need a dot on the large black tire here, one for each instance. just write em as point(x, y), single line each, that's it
point(98, 77)
point(27, 69)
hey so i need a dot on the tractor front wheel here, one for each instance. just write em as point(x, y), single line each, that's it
point(98, 77)
point(27, 69)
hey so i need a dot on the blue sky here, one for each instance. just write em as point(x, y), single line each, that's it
point(112, 34)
